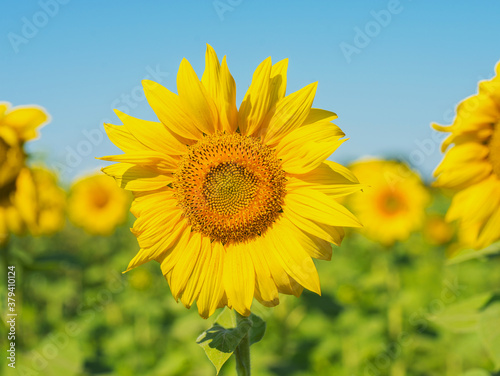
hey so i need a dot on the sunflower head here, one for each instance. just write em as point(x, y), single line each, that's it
point(17, 125)
point(471, 165)
point(392, 206)
point(97, 205)
point(233, 203)
point(437, 231)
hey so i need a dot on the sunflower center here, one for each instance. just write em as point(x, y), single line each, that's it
point(494, 146)
point(100, 198)
point(391, 203)
point(230, 187)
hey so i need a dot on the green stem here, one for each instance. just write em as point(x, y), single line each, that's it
point(242, 352)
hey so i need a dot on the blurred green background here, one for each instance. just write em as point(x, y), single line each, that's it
point(383, 311)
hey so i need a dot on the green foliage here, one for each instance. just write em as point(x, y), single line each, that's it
point(402, 311)
point(222, 338)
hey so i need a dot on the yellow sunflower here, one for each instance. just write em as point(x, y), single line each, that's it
point(233, 203)
point(97, 205)
point(472, 165)
point(17, 125)
point(392, 206)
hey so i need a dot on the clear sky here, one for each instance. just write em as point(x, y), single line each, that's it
point(387, 68)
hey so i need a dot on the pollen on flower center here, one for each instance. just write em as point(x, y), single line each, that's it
point(231, 187)
point(494, 146)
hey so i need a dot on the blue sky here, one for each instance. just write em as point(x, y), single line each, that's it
point(387, 68)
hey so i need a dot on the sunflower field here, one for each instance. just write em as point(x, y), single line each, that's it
point(224, 234)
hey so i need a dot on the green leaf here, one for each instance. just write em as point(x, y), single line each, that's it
point(257, 330)
point(220, 342)
point(470, 254)
point(489, 331)
point(476, 372)
point(463, 316)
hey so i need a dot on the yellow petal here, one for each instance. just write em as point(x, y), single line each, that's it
point(278, 81)
point(461, 154)
point(465, 176)
point(330, 234)
point(318, 207)
point(221, 87)
point(195, 283)
point(314, 246)
point(265, 287)
point(256, 102)
point(329, 177)
point(137, 178)
point(183, 269)
point(195, 99)
point(25, 120)
point(292, 256)
point(152, 134)
point(306, 148)
point(284, 282)
point(161, 247)
point(213, 288)
point(319, 115)
point(290, 113)
point(168, 108)
point(239, 278)
point(152, 159)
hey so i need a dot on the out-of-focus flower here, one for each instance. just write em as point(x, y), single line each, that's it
point(97, 205)
point(17, 125)
point(392, 205)
point(437, 231)
point(233, 204)
point(472, 165)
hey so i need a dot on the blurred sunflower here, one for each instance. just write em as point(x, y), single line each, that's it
point(393, 204)
point(50, 202)
point(97, 205)
point(437, 231)
point(17, 125)
point(472, 165)
point(233, 203)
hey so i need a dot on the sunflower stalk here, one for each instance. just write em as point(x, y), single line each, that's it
point(242, 352)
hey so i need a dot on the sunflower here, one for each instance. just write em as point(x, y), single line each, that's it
point(393, 204)
point(17, 125)
point(50, 202)
point(233, 204)
point(97, 205)
point(437, 231)
point(471, 166)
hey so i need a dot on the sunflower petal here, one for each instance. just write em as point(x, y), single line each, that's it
point(290, 113)
point(318, 207)
point(137, 178)
point(212, 290)
point(256, 102)
point(168, 108)
point(239, 278)
point(195, 99)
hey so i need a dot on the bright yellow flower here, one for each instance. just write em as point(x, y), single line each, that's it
point(23, 120)
point(97, 205)
point(17, 126)
point(39, 201)
point(51, 202)
point(472, 165)
point(392, 205)
point(233, 203)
